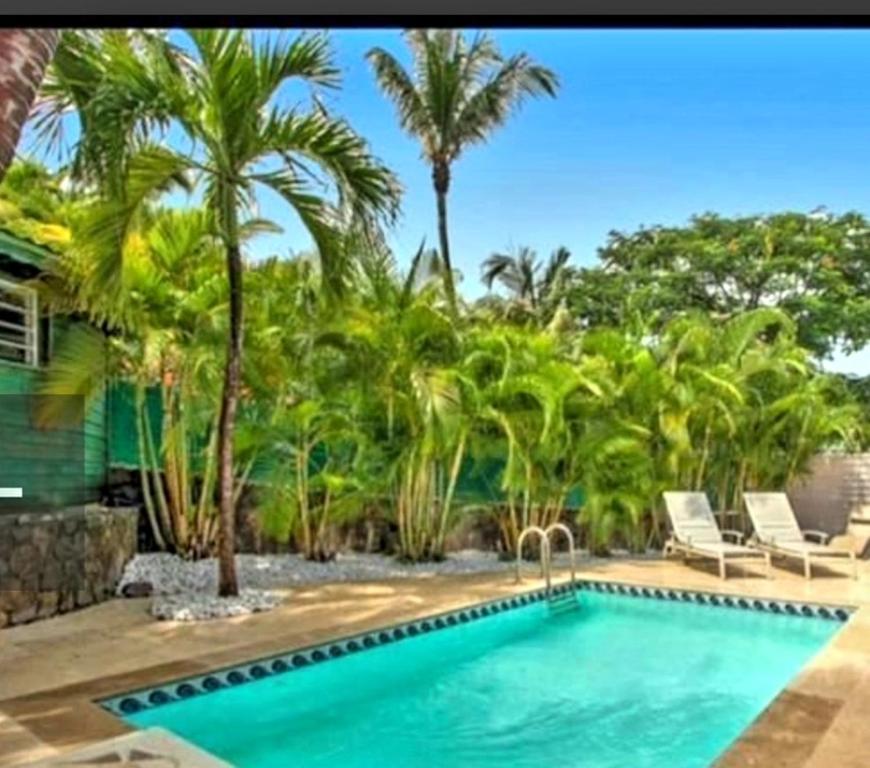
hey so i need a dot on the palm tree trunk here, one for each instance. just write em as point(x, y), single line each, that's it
point(204, 509)
point(228, 584)
point(302, 499)
point(447, 503)
point(154, 462)
point(514, 527)
point(702, 464)
point(441, 180)
point(24, 56)
point(150, 510)
point(320, 542)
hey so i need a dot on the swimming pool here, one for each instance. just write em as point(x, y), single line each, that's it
point(624, 681)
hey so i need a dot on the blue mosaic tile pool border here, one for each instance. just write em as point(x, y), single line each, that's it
point(177, 690)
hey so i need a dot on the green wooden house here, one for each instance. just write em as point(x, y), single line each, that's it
point(59, 467)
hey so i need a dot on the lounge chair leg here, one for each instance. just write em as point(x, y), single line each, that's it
point(807, 572)
point(722, 574)
point(854, 566)
point(768, 564)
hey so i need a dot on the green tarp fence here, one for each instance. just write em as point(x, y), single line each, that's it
point(479, 480)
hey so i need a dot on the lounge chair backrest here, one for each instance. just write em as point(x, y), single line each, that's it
point(691, 517)
point(773, 518)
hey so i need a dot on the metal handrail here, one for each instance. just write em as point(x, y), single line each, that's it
point(568, 535)
point(545, 552)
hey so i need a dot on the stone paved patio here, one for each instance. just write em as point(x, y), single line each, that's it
point(50, 672)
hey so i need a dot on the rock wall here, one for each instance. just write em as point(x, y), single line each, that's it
point(54, 562)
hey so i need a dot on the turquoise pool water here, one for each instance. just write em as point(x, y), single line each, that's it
point(621, 683)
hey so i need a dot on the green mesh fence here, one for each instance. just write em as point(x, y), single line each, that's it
point(123, 435)
point(479, 480)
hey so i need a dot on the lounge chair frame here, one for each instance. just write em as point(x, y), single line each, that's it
point(765, 540)
point(681, 540)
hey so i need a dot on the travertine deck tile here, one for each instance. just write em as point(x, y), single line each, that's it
point(51, 671)
point(786, 733)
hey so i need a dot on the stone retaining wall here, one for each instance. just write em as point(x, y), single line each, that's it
point(54, 562)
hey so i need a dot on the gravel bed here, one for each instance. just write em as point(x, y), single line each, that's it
point(170, 575)
point(186, 590)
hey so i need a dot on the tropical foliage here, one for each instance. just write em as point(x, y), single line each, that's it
point(34, 207)
point(689, 360)
point(532, 294)
point(384, 402)
point(235, 138)
point(167, 319)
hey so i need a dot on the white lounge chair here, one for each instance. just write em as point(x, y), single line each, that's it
point(777, 532)
point(694, 532)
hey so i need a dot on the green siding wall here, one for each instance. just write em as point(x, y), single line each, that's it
point(96, 445)
point(45, 448)
point(40, 453)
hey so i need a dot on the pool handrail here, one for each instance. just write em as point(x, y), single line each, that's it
point(545, 552)
point(552, 528)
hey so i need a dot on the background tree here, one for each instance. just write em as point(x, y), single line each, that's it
point(24, 56)
point(815, 267)
point(457, 93)
point(858, 388)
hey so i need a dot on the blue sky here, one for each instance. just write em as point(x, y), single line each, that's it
point(650, 126)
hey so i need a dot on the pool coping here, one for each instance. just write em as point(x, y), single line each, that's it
point(141, 699)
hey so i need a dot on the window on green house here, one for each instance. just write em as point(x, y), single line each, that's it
point(19, 323)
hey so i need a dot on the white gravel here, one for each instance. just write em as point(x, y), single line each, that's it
point(186, 590)
point(171, 575)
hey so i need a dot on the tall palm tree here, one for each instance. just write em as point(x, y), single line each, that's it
point(24, 56)
point(237, 139)
point(456, 95)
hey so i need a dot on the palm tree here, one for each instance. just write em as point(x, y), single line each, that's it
point(24, 56)
point(518, 273)
point(168, 321)
point(457, 95)
point(402, 355)
point(236, 140)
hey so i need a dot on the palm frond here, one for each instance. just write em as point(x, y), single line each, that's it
point(308, 57)
point(364, 186)
point(101, 235)
point(413, 115)
point(503, 93)
point(75, 377)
